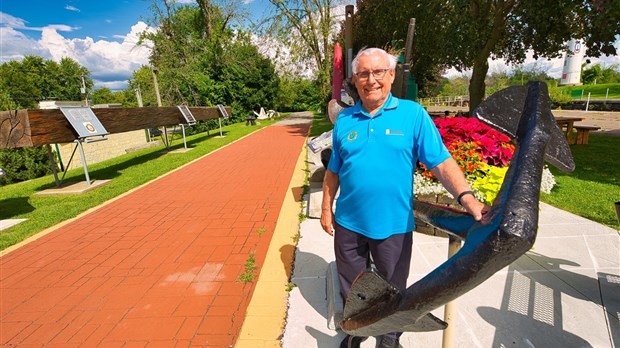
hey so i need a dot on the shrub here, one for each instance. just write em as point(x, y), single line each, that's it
point(24, 164)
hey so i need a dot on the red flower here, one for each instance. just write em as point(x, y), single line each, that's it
point(472, 143)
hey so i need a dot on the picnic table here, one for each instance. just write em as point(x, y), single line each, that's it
point(566, 124)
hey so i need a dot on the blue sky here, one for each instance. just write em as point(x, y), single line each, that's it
point(99, 19)
point(99, 34)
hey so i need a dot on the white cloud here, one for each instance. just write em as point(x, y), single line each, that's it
point(8, 21)
point(15, 45)
point(12, 22)
point(72, 8)
point(111, 63)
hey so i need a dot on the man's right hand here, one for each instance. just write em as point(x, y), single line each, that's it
point(327, 221)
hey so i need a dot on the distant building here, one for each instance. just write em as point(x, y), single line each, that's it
point(57, 104)
point(571, 72)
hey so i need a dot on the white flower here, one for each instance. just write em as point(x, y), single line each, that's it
point(548, 181)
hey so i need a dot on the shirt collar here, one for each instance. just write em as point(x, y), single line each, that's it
point(390, 103)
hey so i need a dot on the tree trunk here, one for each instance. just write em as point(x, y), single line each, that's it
point(476, 85)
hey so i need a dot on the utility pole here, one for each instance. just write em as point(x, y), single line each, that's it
point(138, 96)
point(147, 132)
point(154, 70)
point(156, 86)
point(83, 90)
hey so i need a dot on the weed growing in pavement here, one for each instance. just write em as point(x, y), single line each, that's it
point(302, 217)
point(250, 266)
point(296, 237)
point(290, 286)
point(261, 231)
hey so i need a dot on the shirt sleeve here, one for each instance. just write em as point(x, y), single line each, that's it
point(431, 150)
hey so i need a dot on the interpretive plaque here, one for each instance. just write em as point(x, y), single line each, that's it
point(187, 114)
point(222, 110)
point(84, 121)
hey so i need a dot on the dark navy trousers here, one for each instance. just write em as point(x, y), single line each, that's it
point(390, 256)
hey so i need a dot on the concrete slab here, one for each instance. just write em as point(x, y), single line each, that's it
point(335, 305)
point(74, 188)
point(6, 223)
point(562, 293)
point(315, 200)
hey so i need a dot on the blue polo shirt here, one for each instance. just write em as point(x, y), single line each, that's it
point(375, 160)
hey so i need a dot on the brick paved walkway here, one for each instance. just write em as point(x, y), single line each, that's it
point(160, 266)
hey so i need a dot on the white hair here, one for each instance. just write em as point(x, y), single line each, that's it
point(370, 51)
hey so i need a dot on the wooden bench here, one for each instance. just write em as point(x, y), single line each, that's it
point(583, 132)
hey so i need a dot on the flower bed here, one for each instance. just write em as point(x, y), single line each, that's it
point(483, 154)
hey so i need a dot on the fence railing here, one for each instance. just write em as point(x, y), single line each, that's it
point(458, 100)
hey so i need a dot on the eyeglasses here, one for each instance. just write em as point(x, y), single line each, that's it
point(378, 74)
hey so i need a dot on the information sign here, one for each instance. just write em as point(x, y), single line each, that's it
point(222, 110)
point(84, 121)
point(187, 114)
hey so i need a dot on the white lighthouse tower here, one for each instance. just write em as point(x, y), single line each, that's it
point(571, 72)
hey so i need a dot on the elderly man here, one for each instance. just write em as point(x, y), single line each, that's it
point(376, 145)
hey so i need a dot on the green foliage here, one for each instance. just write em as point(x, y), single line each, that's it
point(465, 34)
point(558, 97)
point(34, 79)
point(248, 274)
point(521, 76)
point(306, 26)
point(455, 86)
point(6, 102)
point(142, 80)
point(105, 96)
point(24, 164)
point(201, 61)
point(597, 75)
point(298, 95)
point(378, 25)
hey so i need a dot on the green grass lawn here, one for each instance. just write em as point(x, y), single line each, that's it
point(18, 201)
point(591, 190)
point(611, 91)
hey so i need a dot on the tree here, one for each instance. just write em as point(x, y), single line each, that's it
point(105, 95)
point(521, 75)
point(34, 79)
point(507, 29)
point(380, 24)
point(310, 27)
point(143, 81)
point(591, 75)
point(465, 34)
point(201, 60)
point(596, 74)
